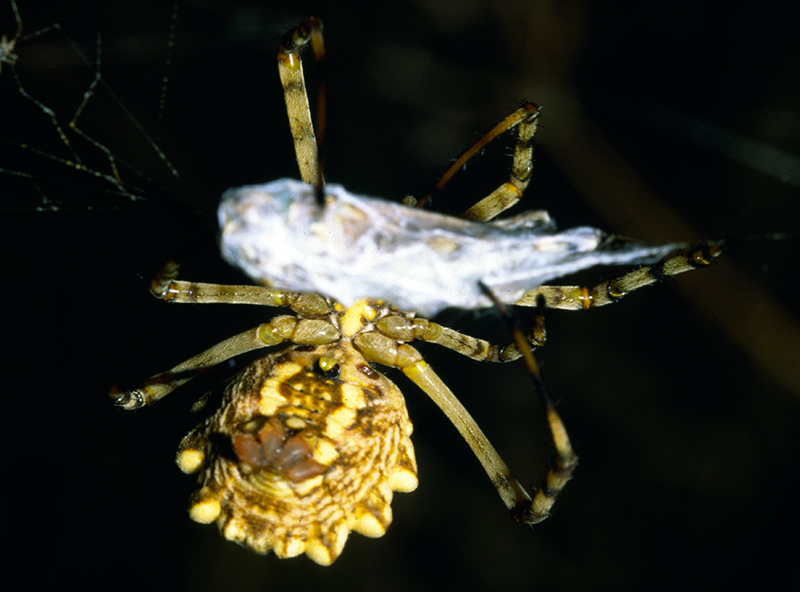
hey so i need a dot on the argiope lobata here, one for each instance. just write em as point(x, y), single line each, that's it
point(311, 441)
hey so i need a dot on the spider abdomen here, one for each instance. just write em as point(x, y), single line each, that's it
point(295, 459)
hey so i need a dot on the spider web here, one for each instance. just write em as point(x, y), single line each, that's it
point(69, 142)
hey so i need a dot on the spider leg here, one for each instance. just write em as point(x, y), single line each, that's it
point(523, 507)
point(610, 291)
point(529, 510)
point(509, 193)
point(164, 383)
point(279, 329)
point(165, 286)
point(290, 68)
point(402, 327)
point(304, 331)
point(485, 351)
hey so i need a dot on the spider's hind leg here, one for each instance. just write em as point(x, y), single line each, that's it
point(565, 460)
point(388, 347)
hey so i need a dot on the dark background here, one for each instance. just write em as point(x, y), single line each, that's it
point(682, 401)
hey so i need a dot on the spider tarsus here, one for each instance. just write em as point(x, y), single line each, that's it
point(128, 400)
point(524, 514)
point(162, 287)
point(533, 511)
point(705, 255)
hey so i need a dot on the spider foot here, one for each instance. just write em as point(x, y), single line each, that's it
point(130, 400)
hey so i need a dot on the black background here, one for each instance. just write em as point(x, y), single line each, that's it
point(682, 401)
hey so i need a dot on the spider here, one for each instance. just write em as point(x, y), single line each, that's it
point(310, 441)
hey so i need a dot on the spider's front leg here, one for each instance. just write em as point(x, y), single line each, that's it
point(165, 286)
point(297, 329)
point(290, 68)
point(278, 330)
point(611, 291)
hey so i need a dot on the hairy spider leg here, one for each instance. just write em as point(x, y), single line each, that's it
point(290, 67)
point(613, 290)
point(525, 119)
point(565, 459)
